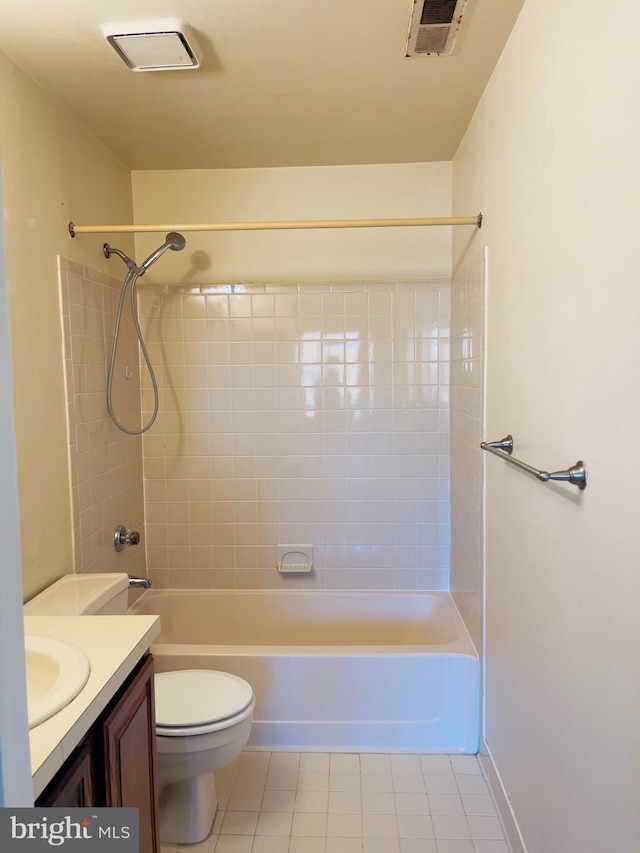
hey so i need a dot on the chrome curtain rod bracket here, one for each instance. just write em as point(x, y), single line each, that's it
point(576, 475)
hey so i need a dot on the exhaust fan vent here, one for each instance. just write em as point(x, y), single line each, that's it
point(434, 26)
point(166, 45)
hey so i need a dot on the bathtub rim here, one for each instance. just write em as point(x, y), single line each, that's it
point(463, 645)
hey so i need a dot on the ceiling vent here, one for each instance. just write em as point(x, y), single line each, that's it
point(165, 45)
point(434, 26)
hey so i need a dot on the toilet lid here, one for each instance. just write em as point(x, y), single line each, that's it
point(196, 697)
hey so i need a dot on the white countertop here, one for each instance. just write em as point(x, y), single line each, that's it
point(114, 645)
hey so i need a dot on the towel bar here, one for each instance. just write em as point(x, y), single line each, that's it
point(576, 475)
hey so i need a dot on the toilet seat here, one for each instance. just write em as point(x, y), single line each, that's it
point(196, 701)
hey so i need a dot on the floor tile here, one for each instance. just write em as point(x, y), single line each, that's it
point(445, 804)
point(415, 826)
point(471, 784)
point(344, 781)
point(254, 761)
point(344, 825)
point(224, 795)
point(465, 764)
point(485, 827)
point(372, 763)
point(308, 845)
point(345, 802)
point(206, 846)
point(247, 777)
point(312, 801)
point(285, 761)
point(291, 802)
point(436, 764)
point(274, 823)
point(455, 846)
point(408, 783)
point(378, 802)
point(239, 823)
point(406, 764)
point(441, 783)
point(382, 782)
point(282, 780)
point(307, 823)
point(234, 844)
point(450, 826)
point(313, 780)
point(379, 826)
point(381, 845)
point(411, 804)
point(417, 845)
point(343, 762)
point(490, 846)
point(479, 804)
point(225, 776)
point(245, 800)
point(271, 844)
point(217, 823)
point(344, 845)
point(315, 761)
point(278, 801)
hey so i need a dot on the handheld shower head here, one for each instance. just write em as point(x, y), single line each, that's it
point(173, 241)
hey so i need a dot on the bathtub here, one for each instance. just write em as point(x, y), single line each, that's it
point(360, 671)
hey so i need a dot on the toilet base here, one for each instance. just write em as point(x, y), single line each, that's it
point(188, 809)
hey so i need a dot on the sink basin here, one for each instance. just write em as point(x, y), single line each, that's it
point(56, 673)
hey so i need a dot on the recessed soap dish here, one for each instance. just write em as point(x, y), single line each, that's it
point(295, 559)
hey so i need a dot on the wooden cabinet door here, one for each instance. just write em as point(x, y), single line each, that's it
point(73, 786)
point(129, 741)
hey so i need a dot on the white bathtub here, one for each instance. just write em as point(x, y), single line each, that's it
point(332, 670)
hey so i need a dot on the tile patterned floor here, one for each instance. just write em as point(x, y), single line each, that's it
point(286, 802)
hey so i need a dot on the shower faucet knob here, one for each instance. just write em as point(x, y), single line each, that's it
point(123, 537)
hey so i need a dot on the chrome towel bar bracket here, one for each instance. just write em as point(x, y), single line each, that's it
point(576, 475)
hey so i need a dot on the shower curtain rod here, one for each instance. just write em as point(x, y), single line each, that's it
point(277, 226)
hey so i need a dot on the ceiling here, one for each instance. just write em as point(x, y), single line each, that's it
point(282, 83)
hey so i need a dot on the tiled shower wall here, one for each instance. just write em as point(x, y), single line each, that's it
point(105, 465)
point(467, 428)
point(298, 414)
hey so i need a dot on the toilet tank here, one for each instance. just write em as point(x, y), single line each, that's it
point(82, 595)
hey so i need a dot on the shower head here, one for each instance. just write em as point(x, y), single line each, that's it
point(173, 241)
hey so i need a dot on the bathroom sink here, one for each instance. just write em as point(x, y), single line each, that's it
point(56, 673)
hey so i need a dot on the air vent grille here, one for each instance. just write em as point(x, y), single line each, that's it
point(434, 26)
point(438, 11)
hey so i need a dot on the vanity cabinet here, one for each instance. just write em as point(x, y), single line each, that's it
point(72, 787)
point(115, 765)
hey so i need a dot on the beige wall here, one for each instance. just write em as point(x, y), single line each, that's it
point(330, 192)
point(53, 171)
point(551, 158)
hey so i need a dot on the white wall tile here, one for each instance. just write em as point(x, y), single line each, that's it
point(322, 400)
point(105, 464)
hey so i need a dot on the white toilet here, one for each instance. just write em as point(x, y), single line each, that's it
point(203, 718)
point(195, 737)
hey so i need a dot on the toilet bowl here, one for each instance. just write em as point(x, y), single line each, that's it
point(203, 722)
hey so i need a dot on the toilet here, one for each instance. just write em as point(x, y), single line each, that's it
point(194, 738)
point(203, 717)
